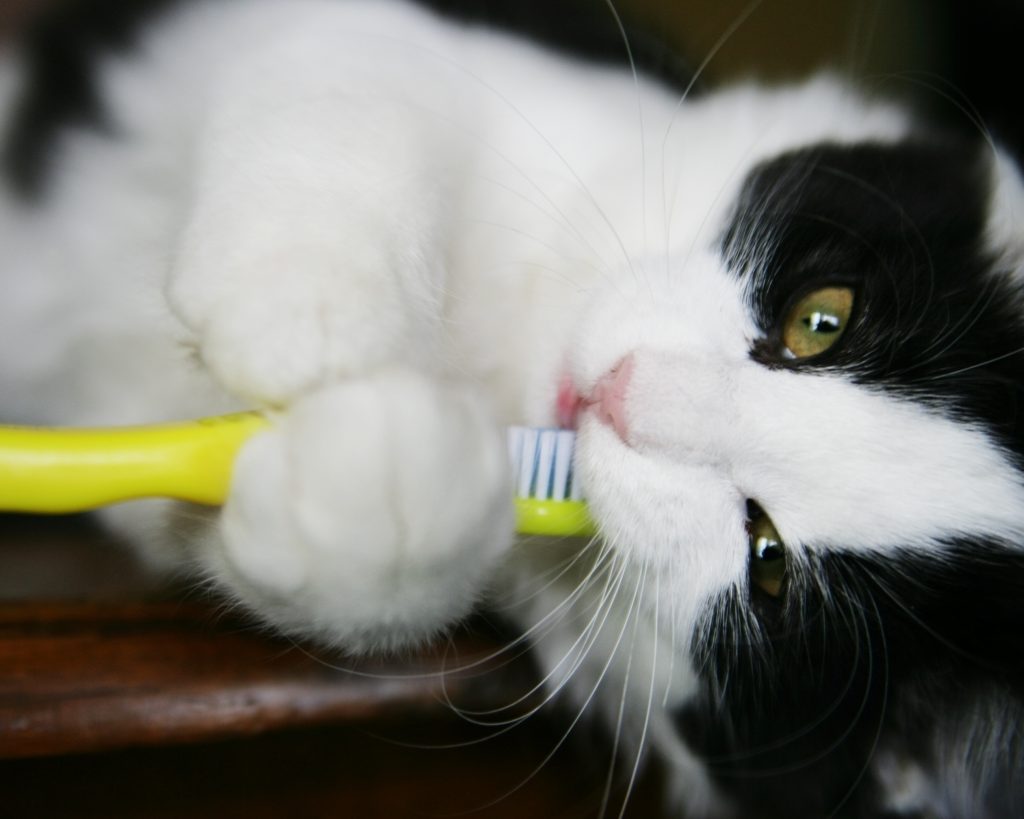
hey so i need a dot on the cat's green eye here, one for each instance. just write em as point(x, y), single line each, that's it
point(767, 555)
point(817, 321)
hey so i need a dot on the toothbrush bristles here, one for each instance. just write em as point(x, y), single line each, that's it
point(542, 463)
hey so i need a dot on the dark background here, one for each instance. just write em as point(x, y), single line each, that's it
point(957, 56)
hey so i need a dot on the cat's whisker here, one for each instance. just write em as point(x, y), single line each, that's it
point(540, 629)
point(554, 150)
point(861, 38)
point(863, 653)
point(641, 742)
point(956, 331)
point(640, 117)
point(561, 274)
point(698, 74)
point(553, 210)
point(578, 651)
point(548, 578)
point(521, 643)
point(943, 88)
point(869, 687)
point(584, 707)
point(617, 737)
point(673, 638)
point(976, 366)
point(520, 115)
point(559, 218)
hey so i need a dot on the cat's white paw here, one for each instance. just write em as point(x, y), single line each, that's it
point(302, 325)
point(371, 515)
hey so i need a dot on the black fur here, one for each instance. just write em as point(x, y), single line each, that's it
point(64, 46)
point(865, 654)
point(868, 654)
point(60, 51)
point(936, 320)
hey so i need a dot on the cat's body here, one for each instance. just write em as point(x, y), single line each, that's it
point(403, 234)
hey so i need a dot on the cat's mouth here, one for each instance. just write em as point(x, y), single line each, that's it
point(606, 400)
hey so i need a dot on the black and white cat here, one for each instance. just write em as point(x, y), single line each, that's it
point(802, 312)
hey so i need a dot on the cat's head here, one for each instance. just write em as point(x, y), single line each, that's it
point(807, 430)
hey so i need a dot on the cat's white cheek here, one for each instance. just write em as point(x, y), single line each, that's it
point(371, 515)
point(681, 523)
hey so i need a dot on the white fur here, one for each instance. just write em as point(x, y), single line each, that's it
point(398, 234)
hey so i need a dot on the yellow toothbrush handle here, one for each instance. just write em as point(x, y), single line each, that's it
point(56, 471)
point(72, 470)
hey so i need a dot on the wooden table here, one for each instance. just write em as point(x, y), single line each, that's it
point(121, 695)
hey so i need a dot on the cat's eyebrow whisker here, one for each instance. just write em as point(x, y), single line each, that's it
point(908, 223)
point(859, 42)
point(698, 74)
point(760, 217)
point(667, 208)
point(640, 116)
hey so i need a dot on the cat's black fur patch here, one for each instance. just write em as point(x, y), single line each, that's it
point(60, 50)
point(866, 654)
point(63, 46)
point(584, 28)
point(936, 320)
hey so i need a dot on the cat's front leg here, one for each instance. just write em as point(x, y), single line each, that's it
point(370, 515)
point(311, 272)
point(312, 245)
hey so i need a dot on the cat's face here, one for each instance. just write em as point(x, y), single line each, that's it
point(834, 373)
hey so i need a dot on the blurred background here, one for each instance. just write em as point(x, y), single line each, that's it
point(955, 55)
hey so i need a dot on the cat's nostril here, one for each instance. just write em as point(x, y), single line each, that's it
point(608, 398)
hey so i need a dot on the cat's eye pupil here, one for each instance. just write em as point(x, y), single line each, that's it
point(768, 549)
point(822, 323)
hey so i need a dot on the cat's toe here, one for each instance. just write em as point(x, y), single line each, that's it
point(371, 514)
point(301, 325)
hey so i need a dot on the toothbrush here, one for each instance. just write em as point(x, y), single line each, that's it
point(63, 470)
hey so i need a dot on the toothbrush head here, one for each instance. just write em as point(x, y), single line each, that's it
point(548, 498)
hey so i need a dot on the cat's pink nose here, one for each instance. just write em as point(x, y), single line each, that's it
point(608, 398)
